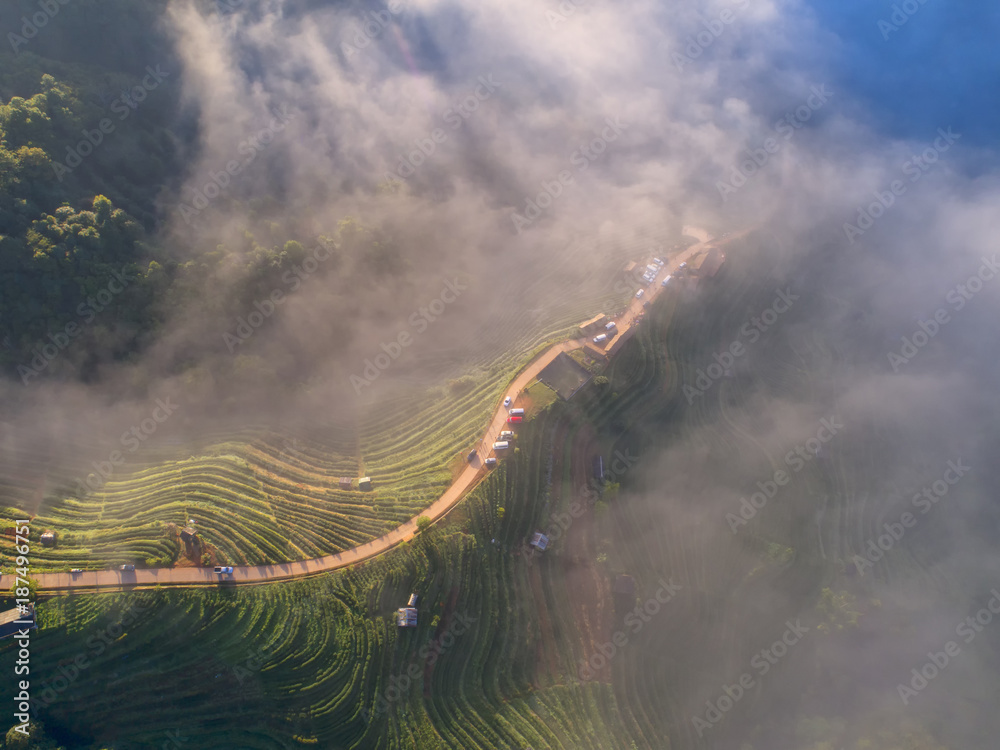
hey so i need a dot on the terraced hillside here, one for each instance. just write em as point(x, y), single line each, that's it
point(511, 645)
point(322, 663)
point(259, 496)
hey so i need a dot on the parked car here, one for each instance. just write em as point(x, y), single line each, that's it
point(490, 461)
point(640, 293)
point(506, 435)
point(223, 569)
point(683, 265)
point(127, 568)
point(611, 326)
point(472, 456)
point(506, 402)
point(657, 261)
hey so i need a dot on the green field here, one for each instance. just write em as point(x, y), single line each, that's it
point(260, 496)
point(320, 662)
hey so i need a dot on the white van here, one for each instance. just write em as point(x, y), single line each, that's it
point(610, 326)
point(500, 445)
point(516, 412)
point(640, 293)
point(601, 339)
point(666, 281)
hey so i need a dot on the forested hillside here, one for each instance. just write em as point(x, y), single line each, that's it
point(87, 142)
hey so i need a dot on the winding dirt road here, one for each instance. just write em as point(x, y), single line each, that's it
point(470, 476)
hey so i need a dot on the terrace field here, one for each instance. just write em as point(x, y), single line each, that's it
point(262, 496)
point(505, 636)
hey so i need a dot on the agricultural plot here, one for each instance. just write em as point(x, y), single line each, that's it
point(259, 496)
point(495, 659)
point(321, 662)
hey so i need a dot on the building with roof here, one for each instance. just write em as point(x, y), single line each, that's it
point(589, 327)
point(365, 483)
point(406, 617)
point(346, 483)
point(539, 541)
point(624, 585)
point(49, 539)
point(189, 535)
point(712, 263)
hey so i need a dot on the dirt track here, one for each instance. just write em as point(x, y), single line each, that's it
point(466, 480)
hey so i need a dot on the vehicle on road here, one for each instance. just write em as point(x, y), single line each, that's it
point(500, 445)
point(516, 412)
point(683, 265)
point(506, 402)
point(472, 456)
point(223, 569)
point(127, 568)
point(515, 419)
point(640, 293)
point(74, 571)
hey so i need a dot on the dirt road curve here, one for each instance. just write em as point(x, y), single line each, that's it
point(473, 472)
